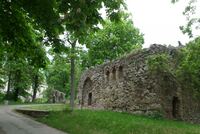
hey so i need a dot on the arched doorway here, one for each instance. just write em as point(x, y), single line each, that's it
point(86, 92)
point(176, 107)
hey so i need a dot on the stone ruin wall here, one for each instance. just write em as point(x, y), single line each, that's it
point(127, 85)
point(57, 97)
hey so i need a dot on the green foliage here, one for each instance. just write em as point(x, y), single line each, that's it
point(2, 78)
point(20, 80)
point(192, 17)
point(21, 20)
point(106, 122)
point(188, 71)
point(193, 20)
point(18, 36)
point(20, 74)
point(40, 76)
point(113, 40)
point(26, 26)
point(40, 101)
point(184, 66)
point(1, 96)
point(82, 15)
point(57, 74)
point(58, 71)
point(83, 61)
point(159, 63)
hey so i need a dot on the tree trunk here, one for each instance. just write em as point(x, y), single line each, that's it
point(16, 87)
point(16, 94)
point(35, 87)
point(7, 97)
point(72, 75)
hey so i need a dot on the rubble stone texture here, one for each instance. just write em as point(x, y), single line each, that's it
point(57, 97)
point(127, 85)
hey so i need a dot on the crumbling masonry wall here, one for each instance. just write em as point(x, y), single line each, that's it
point(127, 85)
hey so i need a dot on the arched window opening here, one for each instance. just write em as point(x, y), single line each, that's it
point(107, 75)
point(120, 73)
point(114, 74)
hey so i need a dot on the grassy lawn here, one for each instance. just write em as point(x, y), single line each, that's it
point(107, 122)
point(46, 107)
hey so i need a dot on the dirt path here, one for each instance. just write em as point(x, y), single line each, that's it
point(14, 123)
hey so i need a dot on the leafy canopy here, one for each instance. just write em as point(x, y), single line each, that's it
point(188, 71)
point(22, 20)
point(113, 40)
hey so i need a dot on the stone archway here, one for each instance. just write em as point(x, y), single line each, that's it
point(86, 93)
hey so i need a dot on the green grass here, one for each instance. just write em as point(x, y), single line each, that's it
point(107, 122)
point(46, 107)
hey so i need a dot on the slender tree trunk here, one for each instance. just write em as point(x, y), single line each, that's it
point(16, 94)
point(35, 87)
point(72, 84)
point(16, 87)
point(8, 87)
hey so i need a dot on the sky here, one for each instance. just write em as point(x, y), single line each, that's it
point(159, 20)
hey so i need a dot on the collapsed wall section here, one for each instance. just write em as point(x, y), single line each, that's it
point(127, 85)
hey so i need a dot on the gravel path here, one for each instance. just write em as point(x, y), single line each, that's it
point(14, 123)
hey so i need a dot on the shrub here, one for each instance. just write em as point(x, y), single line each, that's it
point(1, 97)
point(159, 63)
